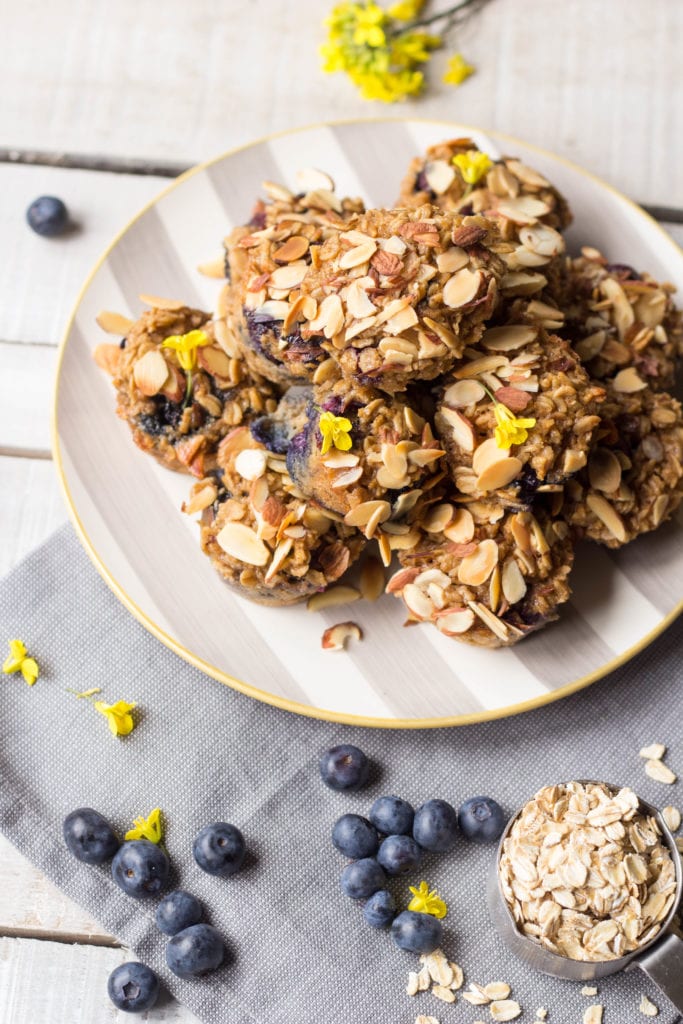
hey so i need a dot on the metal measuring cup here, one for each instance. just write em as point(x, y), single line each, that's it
point(661, 959)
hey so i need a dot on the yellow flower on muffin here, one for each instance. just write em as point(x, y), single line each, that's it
point(427, 901)
point(185, 346)
point(457, 70)
point(118, 716)
point(511, 429)
point(18, 661)
point(473, 165)
point(150, 827)
point(335, 431)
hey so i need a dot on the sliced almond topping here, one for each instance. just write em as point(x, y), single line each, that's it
point(513, 582)
point(452, 259)
point(484, 364)
point(523, 209)
point(660, 772)
point(403, 320)
point(293, 249)
point(150, 372)
point(340, 460)
point(453, 622)
point(288, 277)
point(358, 302)
point(240, 542)
point(442, 332)
point(156, 302)
point(505, 339)
point(628, 381)
point(542, 240)
point(440, 176)
point(251, 463)
point(607, 515)
point(459, 427)
point(437, 518)
point(653, 752)
point(361, 514)
point(310, 179)
point(527, 174)
point(114, 323)
point(463, 393)
point(280, 556)
point(213, 268)
point(358, 255)
point(372, 579)
point(499, 474)
point(462, 288)
point(486, 454)
point(417, 602)
point(521, 283)
point(347, 478)
point(476, 568)
point(336, 637)
point(332, 597)
point(461, 528)
point(622, 310)
point(425, 456)
point(505, 1009)
point(107, 357)
point(214, 360)
point(604, 470)
point(203, 494)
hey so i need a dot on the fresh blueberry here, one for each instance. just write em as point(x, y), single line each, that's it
point(362, 878)
point(89, 836)
point(392, 816)
point(344, 767)
point(416, 933)
point(380, 910)
point(481, 819)
point(219, 849)
point(195, 950)
point(355, 837)
point(177, 911)
point(435, 826)
point(133, 987)
point(140, 868)
point(399, 854)
point(47, 216)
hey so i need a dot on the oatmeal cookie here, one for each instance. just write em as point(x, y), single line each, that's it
point(485, 574)
point(518, 371)
point(261, 534)
point(398, 294)
point(266, 262)
point(621, 322)
point(365, 455)
point(179, 415)
point(634, 477)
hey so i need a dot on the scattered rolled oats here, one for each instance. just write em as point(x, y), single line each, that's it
point(458, 977)
point(672, 818)
point(422, 1019)
point(541, 1013)
point(654, 752)
point(442, 993)
point(497, 990)
point(593, 1014)
point(476, 995)
point(647, 1008)
point(505, 1009)
point(660, 772)
point(589, 990)
point(412, 986)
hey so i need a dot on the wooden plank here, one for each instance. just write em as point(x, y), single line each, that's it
point(124, 80)
point(41, 277)
point(56, 983)
point(26, 382)
point(31, 509)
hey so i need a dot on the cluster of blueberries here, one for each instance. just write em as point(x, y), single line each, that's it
point(141, 868)
point(392, 841)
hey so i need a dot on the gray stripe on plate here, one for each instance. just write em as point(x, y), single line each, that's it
point(237, 181)
point(379, 158)
point(646, 563)
point(206, 607)
point(427, 685)
point(147, 244)
point(557, 656)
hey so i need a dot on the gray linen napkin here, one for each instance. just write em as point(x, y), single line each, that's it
point(300, 951)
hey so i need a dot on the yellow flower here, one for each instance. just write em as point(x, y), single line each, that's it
point(148, 828)
point(369, 22)
point(457, 70)
point(414, 48)
point(473, 165)
point(389, 87)
point(335, 431)
point(406, 10)
point(511, 429)
point(427, 901)
point(118, 715)
point(19, 662)
point(186, 345)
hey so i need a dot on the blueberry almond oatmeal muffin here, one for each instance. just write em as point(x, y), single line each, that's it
point(178, 389)
point(634, 478)
point(398, 294)
point(485, 574)
point(517, 415)
point(262, 535)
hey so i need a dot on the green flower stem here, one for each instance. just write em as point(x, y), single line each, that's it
point(451, 15)
point(188, 389)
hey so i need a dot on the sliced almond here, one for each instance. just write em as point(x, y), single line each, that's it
point(358, 302)
point(486, 454)
point(358, 255)
point(336, 637)
point(372, 579)
point(459, 427)
point(628, 381)
point(114, 323)
point(522, 283)
point(542, 240)
point(622, 310)
point(607, 515)
point(150, 372)
point(452, 623)
point(293, 249)
point(156, 302)
point(417, 602)
point(437, 518)
point(425, 456)
point(332, 597)
point(288, 277)
point(361, 514)
point(251, 463)
point(499, 474)
point(508, 338)
point(485, 364)
point(452, 259)
point(403, 320)
point(440, 176)
point(463, 393)
point(523, 209)
point(461, 528)
point(213, 268)
point(240, 542)
point(107, 357)
point(280, 556)
point(604, 470)
point(215, 361)
point(330, 316)
point(660, 772)
point(527, 174)
point(513, 582)
point(476, 568)
point(203, 494)
point(462, 288)
point(310, 179)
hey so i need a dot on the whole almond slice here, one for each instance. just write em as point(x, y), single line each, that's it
point(604, 470)
point(527, 174)
point(114, 323)
point(542, 240)
point(499, 474)
point(240, 542)
point(288, 277)
point(440, 175)
point(336, 637)
point(608, 516)
point(213, 268)
point(150, 373)
point(438, 517)
point(280, 556)
point(251, 463)
point(484, 364)
point(293, 249)
point(361, 514)
point(458, 426)
point(403, 320)
point(107, 357)
point(451, 623)
point(157, 302)
point(486, 454)
point(417, 602)
point(462, 288)
point(332, 597)
point(341, 460)
point(346, 478)
point(463, 393)
point(522, 209)
point(358, 302)
point(358, 255)
point(628, 381)
point(508, 338)
point(476, 568)
point(452, 260)
point(461, 528)
point(513, 582)
point(372, 579)
point(310, 179)
point(215, 361)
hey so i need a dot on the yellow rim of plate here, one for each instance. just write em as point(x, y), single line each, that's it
point(224, 677)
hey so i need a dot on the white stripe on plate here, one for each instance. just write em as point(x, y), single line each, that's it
point(318, 148)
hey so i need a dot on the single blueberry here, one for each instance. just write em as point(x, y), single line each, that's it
point(195, 950)
point(362, 878)
point(355, 837)
point(399, 854)
point(89, 836)
point(219, 849)
point(481, 819)
point(416, 933)
point(435, 826)
point(380, 910)
point(133, 987)
point(392, 816)
point(47, 216)
point(344, 767)
point(140, 868)
point(177, 911)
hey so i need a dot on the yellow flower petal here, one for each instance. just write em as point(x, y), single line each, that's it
point(118, 716)
point(427, 901)
point(510, 430)
point(29, 670)
point(406, 10)
point(335, 432)
point(472, 165)
point(458, 70)
point(150, 828)
point(17, 661)
point(185, 346)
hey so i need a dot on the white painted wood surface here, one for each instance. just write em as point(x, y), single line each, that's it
point(596, 83)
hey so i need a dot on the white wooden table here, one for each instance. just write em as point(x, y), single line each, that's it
point(109, 91)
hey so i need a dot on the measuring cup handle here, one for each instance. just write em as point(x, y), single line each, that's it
point(664, 966)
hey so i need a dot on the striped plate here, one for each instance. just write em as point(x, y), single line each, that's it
point(126, 508)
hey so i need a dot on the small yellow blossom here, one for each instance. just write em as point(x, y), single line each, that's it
point(473, 165)
point(413, 48)
point(427, 901)
point(186, 345)
point(406, 10)
point(511, 429)
point(457, 70)
point(335, 431)
point(369, 22)
point(18, 661)
point(150, 827)
point(118, 716)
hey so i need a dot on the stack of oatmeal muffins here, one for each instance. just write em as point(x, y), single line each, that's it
point(439, 378)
